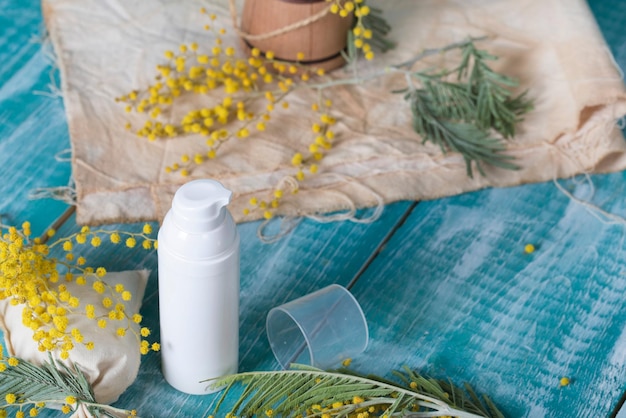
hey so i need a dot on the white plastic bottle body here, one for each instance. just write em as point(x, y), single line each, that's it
point(199, 310)
point(198, 270)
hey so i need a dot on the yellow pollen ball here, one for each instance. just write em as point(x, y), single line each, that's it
point(529, 248)
point(297, 159)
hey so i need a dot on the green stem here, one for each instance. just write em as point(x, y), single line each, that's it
point(434, 51)
point(394, 68)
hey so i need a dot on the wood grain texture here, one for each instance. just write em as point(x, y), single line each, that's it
point(33, 127)
point(455, 295)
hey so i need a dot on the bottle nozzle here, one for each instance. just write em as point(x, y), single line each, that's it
point(199, 204)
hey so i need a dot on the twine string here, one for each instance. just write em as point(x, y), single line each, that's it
point(281, 31)
point(289, 223)
point(350, 214)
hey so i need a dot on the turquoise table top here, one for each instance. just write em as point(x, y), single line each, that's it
point(445, 285)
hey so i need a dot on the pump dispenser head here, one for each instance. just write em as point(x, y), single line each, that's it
point(198, 206)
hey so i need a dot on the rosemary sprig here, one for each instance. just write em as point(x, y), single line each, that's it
point(53, 383)
point(468, 109)
point(447, 127)
point(464, 115)
point(310, 392)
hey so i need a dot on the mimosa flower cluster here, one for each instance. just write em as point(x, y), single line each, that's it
point(39, 282)
point(244, 94)
point(361, 33)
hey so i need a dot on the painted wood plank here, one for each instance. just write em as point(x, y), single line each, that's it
point(455, 295)
point(33, 127)
point(611, 18)
point(314, 255)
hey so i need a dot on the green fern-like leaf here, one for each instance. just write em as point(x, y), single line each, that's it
point(310, 392)
point(50, 383)
point(444, 126)
point(466, 115)
point(380, 28)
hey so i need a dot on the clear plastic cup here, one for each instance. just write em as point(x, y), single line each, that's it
point(320, 329)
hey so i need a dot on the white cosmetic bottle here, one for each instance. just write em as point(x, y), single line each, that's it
point(198, 255)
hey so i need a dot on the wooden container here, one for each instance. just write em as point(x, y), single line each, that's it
point(296, 26)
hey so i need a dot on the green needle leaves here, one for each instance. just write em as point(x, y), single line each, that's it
point(309, 392)
point(50, 381)
point(23, 383)
point(470, 114)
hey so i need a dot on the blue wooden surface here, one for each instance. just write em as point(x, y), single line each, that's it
point(451, 292)
point(32, 125)
point(475, 307)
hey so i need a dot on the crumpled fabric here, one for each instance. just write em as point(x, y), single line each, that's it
point(106, 48)
point(113, 363)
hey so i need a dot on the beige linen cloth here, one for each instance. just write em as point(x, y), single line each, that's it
point(106, 48)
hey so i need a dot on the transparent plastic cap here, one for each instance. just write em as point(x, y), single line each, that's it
point(320, 329)
point(199, 205)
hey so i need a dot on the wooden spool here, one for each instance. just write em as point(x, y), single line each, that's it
point(269, 26)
